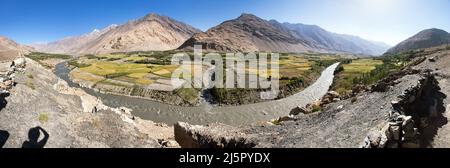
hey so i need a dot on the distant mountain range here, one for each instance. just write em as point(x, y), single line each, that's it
point(244, 34)
point(152, 32)
point(9, 50)
point(424, 39)
point(251, 33)
point(71, 44)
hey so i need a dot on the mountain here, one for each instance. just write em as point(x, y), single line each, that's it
point(424, 39)
point(9, 50)
point(71, 45)
point(334, 42)
point(250, 33)
point(152, 32)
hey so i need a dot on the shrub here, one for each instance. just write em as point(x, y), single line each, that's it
point(276, 122)
point(115, 75)
point(30, 84)
point(43, 56)
point(90, 56)
point(113, 59)
point(354, 99)
point(75, 63)
point(43, 118)
point(339, 69)
point(316, 108)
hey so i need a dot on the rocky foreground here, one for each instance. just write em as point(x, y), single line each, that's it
point(40, 110)
point(408, 109)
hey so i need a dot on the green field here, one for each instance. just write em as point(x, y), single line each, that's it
point(48, 60)
point(363, 72)
point(362, 65)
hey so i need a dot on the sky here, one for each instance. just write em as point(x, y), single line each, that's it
point(389, 21)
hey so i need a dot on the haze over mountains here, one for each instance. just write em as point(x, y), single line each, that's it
point(71, 44)
point(251, 33)
point(333, 41)
point(244, 34)
point(424, 39)
point(152, 32)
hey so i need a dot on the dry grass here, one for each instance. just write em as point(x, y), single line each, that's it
point(43, 118)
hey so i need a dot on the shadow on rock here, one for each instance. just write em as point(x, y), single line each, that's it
point(3, 101)
point(428, 112)
point(33, 138)
point(4, 135)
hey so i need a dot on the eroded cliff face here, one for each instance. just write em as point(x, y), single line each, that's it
point(70, 117)
point(408, 109)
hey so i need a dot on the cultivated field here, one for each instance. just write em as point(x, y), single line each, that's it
point(153, 71)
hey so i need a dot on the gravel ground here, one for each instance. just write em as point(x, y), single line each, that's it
point(34, 103)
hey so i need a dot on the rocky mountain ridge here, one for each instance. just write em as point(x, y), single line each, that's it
point(249, 33)
point(152, 32)
point(424, 39)
point(10, 50)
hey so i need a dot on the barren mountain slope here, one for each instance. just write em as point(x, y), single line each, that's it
point(424, 39)
point(249, 33)
point(152, 32)
point(334, 42)
point(9, 50)
point(71, 45)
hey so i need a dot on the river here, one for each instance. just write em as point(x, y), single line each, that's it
point(205, 113)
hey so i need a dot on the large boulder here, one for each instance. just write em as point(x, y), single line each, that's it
point(212, 136)
point(19, 63)
point(300, 110)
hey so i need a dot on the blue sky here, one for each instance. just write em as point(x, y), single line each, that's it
point(390, 21)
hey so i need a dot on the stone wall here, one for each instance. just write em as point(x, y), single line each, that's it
point(404, 124)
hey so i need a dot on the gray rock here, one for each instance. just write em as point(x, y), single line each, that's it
point(286, 118)
point(410, 134)
point(374, 139)
point(392, 144)
point(396, 105)
point(406, 120)
point(340, 107)
point(19, 62)
point(212, 136)
point(299, 110)
point(333, 94)
point(395, 131)
point(432, 59)
point(410, 145)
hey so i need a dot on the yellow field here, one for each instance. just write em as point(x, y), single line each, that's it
point(126, 68)
point(77, 74)
point(362, 65)
point(108, 68)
